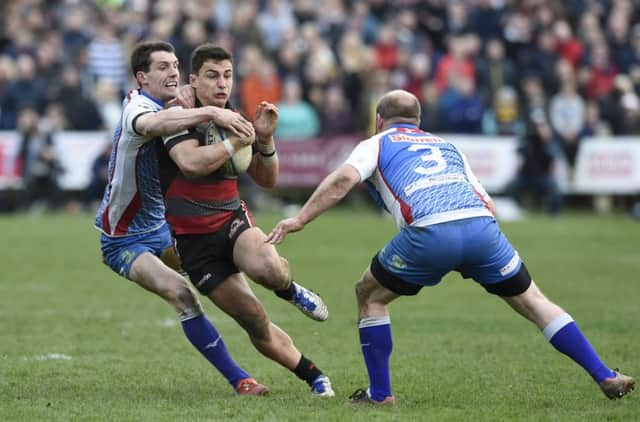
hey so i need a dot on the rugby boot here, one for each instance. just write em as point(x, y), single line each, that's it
point(321, 387)
point(309, 303)
point(251, 387)
point(361, 396)
point(618, 386)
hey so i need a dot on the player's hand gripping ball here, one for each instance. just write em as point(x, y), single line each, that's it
point(239, 162)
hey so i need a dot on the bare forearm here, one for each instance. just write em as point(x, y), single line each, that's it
point(330, 191)
point(172, 120)
point(265, 165)
point(195, 161)
point(264, 175)
point(207, 159)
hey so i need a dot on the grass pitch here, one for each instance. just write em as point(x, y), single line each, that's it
point(78, 342)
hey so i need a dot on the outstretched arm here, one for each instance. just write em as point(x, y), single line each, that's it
point(175, 119)
point(330, 191)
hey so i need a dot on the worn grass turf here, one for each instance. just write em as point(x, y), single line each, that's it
point(78, 342)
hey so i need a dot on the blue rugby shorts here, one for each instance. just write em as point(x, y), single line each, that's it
point(475, 247)
point(119, 253)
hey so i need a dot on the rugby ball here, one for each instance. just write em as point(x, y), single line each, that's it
point(239, 162)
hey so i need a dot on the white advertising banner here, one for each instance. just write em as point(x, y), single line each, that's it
point(77, 151)
point(603, 166)
point(608, 166)
point(494, 160)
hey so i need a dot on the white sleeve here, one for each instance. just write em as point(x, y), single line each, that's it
point(132, 110)
point(364, 157)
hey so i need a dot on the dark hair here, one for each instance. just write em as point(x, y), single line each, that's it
point(206, 52)
point(141, 55)
point(396, 105)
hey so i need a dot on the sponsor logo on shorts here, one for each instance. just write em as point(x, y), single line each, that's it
point(397, 262)
point(235, 225)
point(127, 256)
point(511, 265)
point(203, 280)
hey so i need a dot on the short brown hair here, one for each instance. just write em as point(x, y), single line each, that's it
point(206, 52)
point(141, 55)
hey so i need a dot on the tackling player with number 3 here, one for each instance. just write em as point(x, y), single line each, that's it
point(215, 235)
point(446, 221)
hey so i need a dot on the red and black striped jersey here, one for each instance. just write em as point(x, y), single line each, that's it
point(195, 205)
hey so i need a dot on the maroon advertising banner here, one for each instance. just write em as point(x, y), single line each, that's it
point(303, 164)
point(602, 166)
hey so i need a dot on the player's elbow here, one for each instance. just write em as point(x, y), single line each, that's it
point(190, 174)
point(193, 170)
point(344, 182)
point(347, 175)
point(144, 130)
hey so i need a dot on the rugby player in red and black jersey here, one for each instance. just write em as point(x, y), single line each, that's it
point(215, 234)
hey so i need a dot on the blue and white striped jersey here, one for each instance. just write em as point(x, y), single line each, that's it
point(132, 202)
point(418, 177)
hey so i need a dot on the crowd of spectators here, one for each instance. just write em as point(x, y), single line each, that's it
point(495, 67)
point(470, 62)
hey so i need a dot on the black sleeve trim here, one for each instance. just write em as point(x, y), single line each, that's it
point(135, 119)
point(172, 142)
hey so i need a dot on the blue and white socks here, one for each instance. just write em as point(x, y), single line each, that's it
point(204, 337)
point(563, 333)
point(566, 337)
point(376, 344)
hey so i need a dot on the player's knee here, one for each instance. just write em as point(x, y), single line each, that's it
point(536, 300)
point(285, 270)
point(274, 273)
point(186, 301)
point(362, 292)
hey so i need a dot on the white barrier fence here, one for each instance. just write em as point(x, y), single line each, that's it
point(603, 165)
point(608, 166)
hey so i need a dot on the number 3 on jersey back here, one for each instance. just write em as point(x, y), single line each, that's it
point(433, 156)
